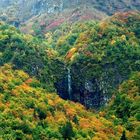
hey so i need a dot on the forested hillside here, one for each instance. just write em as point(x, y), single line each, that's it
point(73, 78)
point(100, 56)
point(29, 112)
point(96, 57)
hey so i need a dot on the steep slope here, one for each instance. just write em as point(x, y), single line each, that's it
point(35, 7)
point(125, 109)
point(28, 112)
point(56, 12)
point(84, 62)
point(94, 63)
point(99, 55)
point(26, 52)
point(46, 22)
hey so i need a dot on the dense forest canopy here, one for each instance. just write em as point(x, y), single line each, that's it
point(68, 72)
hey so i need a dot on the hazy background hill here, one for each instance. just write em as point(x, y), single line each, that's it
point(48, 12)
point(50, 6)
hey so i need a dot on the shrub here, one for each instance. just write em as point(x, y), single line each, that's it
point(67, 131)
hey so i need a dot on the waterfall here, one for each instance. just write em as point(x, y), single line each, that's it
point(69, 83)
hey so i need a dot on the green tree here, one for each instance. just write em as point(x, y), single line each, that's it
point(123, 137)
point(67, 131)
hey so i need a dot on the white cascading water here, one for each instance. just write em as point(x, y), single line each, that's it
point(69, 83)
